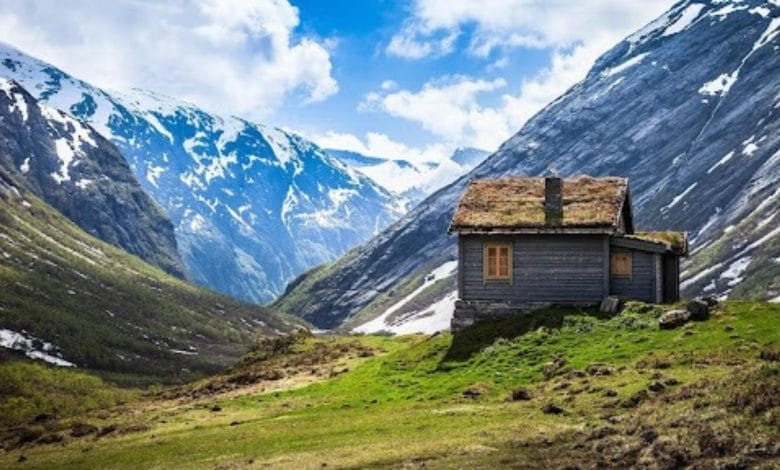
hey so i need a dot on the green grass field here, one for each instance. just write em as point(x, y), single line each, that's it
point(588, 392)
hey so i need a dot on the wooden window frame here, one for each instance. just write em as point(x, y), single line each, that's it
point(615, 275)
point(486, 276)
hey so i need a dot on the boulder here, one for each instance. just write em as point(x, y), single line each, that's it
point(520, 394)
point(673, 319)
point(698, 309)
point(711, 301)
point(611, 304)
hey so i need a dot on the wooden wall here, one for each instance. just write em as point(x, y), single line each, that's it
point(547, 268)
point(644, 275)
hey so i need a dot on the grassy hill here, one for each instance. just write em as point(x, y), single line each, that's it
point(556, 389)
point(103, 309)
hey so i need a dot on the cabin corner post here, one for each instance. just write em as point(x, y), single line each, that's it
point(658, 267)
point(605, 266)
point(460, 266)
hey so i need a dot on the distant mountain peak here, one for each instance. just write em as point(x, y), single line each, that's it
point(253, 205)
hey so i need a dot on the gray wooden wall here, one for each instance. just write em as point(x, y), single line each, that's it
point(645, 277)
point(547, 268)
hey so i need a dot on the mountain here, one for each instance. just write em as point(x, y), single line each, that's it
point(412, 181)
point(468, 157)
point(73, 168)
point(687, 108)
point(252, 206)
point(71, 299)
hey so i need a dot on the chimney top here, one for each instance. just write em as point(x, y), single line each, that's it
point(553, 201)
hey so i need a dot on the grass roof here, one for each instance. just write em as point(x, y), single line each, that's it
point(514, 203)
point(676, 242)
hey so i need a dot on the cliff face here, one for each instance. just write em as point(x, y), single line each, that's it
point(84, 176)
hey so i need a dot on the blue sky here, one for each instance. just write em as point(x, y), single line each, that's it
point(412, 79)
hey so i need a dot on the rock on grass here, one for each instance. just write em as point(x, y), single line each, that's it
point(520, 394)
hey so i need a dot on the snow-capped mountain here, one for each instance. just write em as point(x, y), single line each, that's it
point(412, 181)
point(252, 205)
point(688, 108)
point(80, 173)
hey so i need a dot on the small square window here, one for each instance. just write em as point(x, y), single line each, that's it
point(620, 265)
point(498, 261)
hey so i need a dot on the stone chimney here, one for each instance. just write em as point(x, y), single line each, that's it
point(553, 201)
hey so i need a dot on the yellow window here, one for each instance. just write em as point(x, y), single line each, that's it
point(620, 265)
point(498, 261)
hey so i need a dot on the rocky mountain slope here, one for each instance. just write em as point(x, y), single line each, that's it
point(412, 181)
point(74, 169)
point(252, 206)
point(687, 108)
point(72, 300)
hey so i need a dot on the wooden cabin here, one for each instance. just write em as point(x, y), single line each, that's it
point(530, 242)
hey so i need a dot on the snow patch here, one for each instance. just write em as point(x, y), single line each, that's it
point(66, 155)
point(720, 162)
point(84, 183)
point(18, 99)
point(158, 126)
point(679, 197)
point(721, 85)
point(701, 275)
point(625, 65)
point(768, 34)
point(749, 149)
point(439, 309)
point(32, 347)
point(435, 318)
point(687, 17)
point(735, 271)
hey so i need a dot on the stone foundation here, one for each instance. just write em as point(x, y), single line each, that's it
point(468, 312)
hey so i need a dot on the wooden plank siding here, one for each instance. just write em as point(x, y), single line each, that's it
point(642, 283)
point(562, 269)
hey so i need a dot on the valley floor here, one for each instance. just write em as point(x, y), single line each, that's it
point(559, 389)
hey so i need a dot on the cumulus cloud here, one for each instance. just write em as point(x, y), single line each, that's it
point(576, 33)
point(415, 41)
point(239, 56)
point(447, 107)
point(515, 23)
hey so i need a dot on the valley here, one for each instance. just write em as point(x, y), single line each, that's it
point(532, 393)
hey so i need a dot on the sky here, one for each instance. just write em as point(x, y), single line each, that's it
point(410, 79)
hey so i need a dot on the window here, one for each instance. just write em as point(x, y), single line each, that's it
point(498, 261)
point(620, 265)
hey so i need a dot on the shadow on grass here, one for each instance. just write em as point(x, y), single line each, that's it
point(472, 340)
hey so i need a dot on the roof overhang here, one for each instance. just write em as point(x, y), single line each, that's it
point(533, 231)
point(651, 246)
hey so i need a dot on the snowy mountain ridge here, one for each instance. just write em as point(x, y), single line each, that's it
point(252, 205)
point(414, 181)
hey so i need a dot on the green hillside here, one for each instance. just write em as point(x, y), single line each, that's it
point(561, 388)
point(106, 310)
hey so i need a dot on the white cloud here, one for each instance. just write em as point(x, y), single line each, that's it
point(576, 32)
point(406, 44)
point(380, 145)
point(388, 85)
point(513, 23)
point(229, 55)
point(448, 108)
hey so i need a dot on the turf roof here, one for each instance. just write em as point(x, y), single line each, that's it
point(518, 203)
